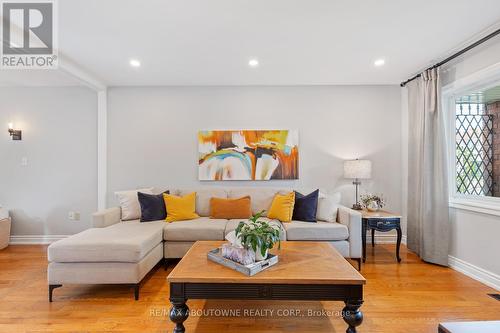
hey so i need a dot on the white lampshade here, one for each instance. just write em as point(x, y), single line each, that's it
point(360, 169)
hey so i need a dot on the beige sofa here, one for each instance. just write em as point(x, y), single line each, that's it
point(4, 228)
point(123, 252)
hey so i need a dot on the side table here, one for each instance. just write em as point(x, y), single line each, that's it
point(380, 221)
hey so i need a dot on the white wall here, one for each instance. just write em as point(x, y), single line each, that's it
point(60, 142)
point(152, 133)
point(475, 239)
point(478, 58)
point(475, 235)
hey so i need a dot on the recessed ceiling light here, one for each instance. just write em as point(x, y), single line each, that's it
point(135, 63)
point(253, 63)
point(379, 62)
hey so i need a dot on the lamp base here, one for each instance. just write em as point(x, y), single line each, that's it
point(357, 206)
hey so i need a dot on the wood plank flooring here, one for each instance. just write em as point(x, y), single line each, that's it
point(409, 297)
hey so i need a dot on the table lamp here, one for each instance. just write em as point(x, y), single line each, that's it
point(357, 169)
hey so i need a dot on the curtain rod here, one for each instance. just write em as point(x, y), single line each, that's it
point(455, 55)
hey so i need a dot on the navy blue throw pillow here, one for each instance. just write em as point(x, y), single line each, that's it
point(152, 206)
point(305, 206)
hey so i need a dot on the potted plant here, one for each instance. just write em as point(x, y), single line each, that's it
point(257, 235)
point(372, 202)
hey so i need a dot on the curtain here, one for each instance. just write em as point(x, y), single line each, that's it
point(428, 224)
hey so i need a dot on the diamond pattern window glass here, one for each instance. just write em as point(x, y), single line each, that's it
point(474, 154)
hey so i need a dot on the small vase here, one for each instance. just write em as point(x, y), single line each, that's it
point(372, 206)
point(258, 255)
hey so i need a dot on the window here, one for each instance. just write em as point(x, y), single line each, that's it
point(474, 149)
point(472, 109)
point(477, 144)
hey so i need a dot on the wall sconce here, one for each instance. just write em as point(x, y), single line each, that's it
point(15, 134)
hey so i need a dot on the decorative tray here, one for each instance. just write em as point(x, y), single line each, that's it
point(249, 270)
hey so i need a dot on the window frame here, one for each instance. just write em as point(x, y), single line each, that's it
point(484, 79)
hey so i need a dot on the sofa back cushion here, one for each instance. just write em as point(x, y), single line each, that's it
point(203, 196)
point(239, 208)
point(129, 203)
point(261, 198)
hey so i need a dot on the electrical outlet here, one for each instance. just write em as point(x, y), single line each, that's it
point(74, 216)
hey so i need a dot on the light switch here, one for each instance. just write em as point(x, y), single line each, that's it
point(24, 161)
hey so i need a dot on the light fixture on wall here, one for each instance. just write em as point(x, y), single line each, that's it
point(357, 169)
point(15, 134)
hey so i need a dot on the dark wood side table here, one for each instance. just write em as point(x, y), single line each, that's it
point(380, 221)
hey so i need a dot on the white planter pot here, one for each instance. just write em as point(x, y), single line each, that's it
point(258, 255)
point(372, 206)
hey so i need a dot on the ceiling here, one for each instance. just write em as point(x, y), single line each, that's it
point(297, 42)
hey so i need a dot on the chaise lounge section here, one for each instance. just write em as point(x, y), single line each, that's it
point(123, 252)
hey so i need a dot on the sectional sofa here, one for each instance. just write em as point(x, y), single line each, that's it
point(123, 252)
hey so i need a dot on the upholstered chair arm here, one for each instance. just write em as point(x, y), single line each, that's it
point(106, 217)
point(352, 219)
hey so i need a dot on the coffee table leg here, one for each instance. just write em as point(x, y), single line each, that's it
point(352, 315)
point(178, 314)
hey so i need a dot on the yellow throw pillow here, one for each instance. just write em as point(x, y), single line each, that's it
point(282, 207)
point(180, 208)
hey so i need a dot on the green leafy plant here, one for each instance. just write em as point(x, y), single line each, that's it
point(256, 234)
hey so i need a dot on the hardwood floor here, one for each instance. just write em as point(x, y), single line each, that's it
point(407, 297)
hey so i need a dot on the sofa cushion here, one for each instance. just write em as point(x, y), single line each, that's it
point(233, 224)
point(152, 206)
point(327, 208)
point(282, 207)
point(121, 242)
point(203, 196)
point(319, 231)
point(230, 208)
point(180, 208)
point(202, 228)
point(306, 206)
point(261, 198)
point(129, 203)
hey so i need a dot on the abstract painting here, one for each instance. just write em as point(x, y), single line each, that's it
point(248, 155)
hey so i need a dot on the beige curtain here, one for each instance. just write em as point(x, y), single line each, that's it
point(428, 216)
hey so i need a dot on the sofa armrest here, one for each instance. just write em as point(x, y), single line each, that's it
point(106, 217)
point(352, 219)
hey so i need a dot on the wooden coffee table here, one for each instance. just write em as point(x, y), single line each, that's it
point(305, 271)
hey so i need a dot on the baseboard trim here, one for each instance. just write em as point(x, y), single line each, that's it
point(34, 239)
point(486, 277)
